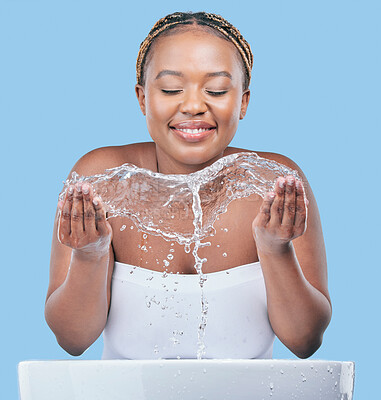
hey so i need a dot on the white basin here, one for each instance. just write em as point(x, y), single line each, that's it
point(186, 379)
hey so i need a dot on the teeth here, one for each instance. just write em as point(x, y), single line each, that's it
point(194, 130)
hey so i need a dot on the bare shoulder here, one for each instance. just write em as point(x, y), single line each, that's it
point(279, 158)
point(98, 160)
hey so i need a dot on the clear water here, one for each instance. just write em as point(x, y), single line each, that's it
point(183, 208)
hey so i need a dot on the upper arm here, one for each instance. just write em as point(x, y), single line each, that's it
point(309, 247)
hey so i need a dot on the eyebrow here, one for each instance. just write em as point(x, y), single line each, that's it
point(168, 72)
point(177, 73)
point(220, 73)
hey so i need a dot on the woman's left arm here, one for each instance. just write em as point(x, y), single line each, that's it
point(293, 260)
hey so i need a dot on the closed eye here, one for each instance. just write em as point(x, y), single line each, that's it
point(216, 93)
point(175, 91)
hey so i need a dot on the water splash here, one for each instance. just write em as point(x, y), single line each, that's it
point(183, 208)
point(195, 200)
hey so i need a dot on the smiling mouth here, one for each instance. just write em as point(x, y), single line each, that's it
point(193, 135)
point(194, 131)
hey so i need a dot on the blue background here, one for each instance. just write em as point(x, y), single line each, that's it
point(67, 75)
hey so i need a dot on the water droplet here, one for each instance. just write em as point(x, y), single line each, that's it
point(174, 340)
point(132, 227)
point(123, 228)
point(224, 255)
point(226, 229)
point(170, 256)
point(145, 236)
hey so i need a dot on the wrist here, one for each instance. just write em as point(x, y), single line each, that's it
point(87, 255)
point(275, 249)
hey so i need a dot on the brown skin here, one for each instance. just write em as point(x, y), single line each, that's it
point(291, 252)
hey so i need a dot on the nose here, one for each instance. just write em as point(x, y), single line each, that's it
point(193, 103)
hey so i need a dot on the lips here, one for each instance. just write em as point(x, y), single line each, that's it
point(193, 131)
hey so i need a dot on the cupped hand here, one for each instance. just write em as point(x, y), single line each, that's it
point(82, 222)
point(282, 216)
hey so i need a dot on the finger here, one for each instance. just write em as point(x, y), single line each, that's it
point(289, 203)
point(263, 216)
point(301, 208)
point(59, 211)
point(100, 217)
point(77, 212)
point(88, 209)
point(276, 212)
point(64, 222)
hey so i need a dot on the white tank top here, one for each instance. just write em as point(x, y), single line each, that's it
point(155, 316)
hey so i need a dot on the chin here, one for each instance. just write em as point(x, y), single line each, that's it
point(198, 158)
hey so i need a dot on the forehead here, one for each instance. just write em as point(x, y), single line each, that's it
point(194, 49)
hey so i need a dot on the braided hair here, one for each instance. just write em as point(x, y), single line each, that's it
point(219, 27)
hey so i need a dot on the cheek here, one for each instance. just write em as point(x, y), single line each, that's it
point(229, 112)
point(158, 108)
point(157, 118)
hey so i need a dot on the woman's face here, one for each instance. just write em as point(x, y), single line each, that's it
point(193, 98)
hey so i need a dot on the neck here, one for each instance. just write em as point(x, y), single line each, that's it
point(168, 165)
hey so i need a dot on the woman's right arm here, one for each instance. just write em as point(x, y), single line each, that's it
point(81, 266)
